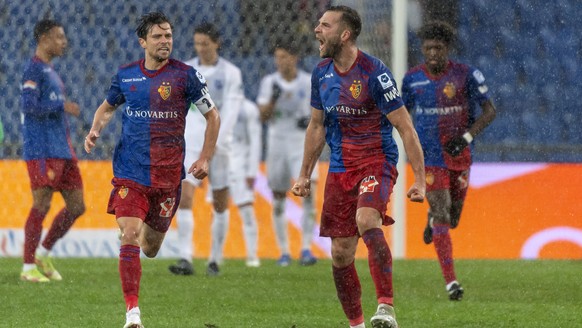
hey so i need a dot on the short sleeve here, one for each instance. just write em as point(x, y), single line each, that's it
point(114, 96)
point(384, 90)
point(476, 86)
point(315, 97)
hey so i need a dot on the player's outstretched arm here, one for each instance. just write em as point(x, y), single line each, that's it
point(314, 142)
point(102, 116)
point(400, 119)
point(199, 168)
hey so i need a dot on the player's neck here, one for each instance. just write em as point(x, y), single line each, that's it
point(154, 65)
point(345, 59)
point(209, 61)
point(43, 55)
point(289, 75)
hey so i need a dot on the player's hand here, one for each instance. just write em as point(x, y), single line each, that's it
point(276, 92)
point(250, 182)
point(456, 145)
point(302, 187)
point(90, 140)
point(199, 169)
point(416, 193)
point(72, 108)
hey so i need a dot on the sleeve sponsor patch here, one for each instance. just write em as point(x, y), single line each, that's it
point(200, 77)
point(385, 81)
point(478, 76)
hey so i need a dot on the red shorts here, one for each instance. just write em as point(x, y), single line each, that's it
point(345, 192)
point(56, 173)
point(155, 206)
point(439, 178)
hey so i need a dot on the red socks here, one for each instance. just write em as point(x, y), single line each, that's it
point(380, 262)
point(61, 225)
point(130, 273)
point(444, 249)
point(32, 234)
point(349, 292)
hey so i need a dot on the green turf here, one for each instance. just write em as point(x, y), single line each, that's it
point(497, 294)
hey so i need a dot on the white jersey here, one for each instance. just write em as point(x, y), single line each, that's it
point(224, 82)
point(292, 105)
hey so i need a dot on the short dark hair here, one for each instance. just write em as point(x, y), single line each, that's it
point(350, 17)
point(288, 46)
point(148, 20)
point(43, 27)
point(437, 30)
point(210, 30)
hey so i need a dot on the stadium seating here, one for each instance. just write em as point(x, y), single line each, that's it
point(529, 50)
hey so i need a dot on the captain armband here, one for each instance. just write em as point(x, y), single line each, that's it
point(204, 104)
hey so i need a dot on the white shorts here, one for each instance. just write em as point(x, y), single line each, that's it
point(218, 171)
point(284, 159)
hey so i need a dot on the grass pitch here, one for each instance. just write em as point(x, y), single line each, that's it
point(497, 294)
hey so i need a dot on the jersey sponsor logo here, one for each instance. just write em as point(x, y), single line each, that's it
point(385, 81)
point(165, 90)
point(356, 89)
point(478, 76)
point(346, 110)
point(391, 94)
point(439, 110)
point(134, 79)
point(150, 114)
point(29, 85)
point(326, 76)
point(123, 191)
point(166, 207)
point(450, 91)
point(419, 83)
point(368, 184)
point(200, 77)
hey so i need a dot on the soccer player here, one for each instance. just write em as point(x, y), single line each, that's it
point(355, 106)
point(244, 166)
point(225, 84)
point(284, 103)
point(148, 160)
point(442, 96)
point(48, 152)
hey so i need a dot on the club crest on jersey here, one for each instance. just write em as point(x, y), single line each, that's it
point(356, 89)
point(368, 184)
point(123, 191)
point(164, 90)
point(450, 90)
point(166, 207)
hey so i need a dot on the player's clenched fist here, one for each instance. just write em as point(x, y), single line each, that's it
point(302, 187)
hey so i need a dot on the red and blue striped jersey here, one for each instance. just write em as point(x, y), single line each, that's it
point(444, 107)
point(45, 130)
point(355, 105)
point(151, 147)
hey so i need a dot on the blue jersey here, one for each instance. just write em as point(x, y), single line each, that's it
point(45, 129)
point(355, 105)
point(151, 148)
point(444, 107)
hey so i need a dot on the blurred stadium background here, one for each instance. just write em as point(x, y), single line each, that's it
point(530, 51)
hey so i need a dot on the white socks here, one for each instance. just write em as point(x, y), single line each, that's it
point(250, 230)
point(280, 224)
point(307, 223)
point(185, 221)
point(219, 230)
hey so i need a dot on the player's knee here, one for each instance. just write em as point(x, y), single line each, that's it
point(151, 251)
point(77, 210)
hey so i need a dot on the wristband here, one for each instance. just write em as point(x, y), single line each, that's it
point(468, 137)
